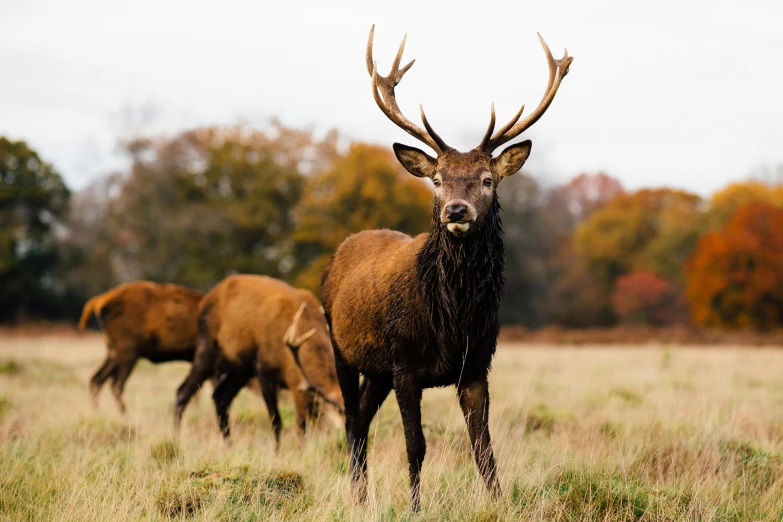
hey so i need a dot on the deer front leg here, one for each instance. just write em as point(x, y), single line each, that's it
point(474, 401)
point(408, 392)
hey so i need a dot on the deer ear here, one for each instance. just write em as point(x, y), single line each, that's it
point(415, 161)
point(511, 159)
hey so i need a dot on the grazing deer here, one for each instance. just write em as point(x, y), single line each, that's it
point(250, 325)
point(141, 319)
point(412, 313)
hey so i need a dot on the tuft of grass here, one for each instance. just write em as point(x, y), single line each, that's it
point(672, 459)
point(756, 468)
point(285, 482)
point(10, 367)
point(165, 451)
point(627, 396)
point(543, 418)
point(584, 494)
point(175, 504)
point(237, 489)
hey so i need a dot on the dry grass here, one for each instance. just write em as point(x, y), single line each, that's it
point(581, 434)
point(680, 335)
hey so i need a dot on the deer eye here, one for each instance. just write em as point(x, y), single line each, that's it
point(436, 182)
point(487, 182)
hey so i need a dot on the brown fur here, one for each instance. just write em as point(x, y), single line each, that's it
point(243, 320)
point(141, 320)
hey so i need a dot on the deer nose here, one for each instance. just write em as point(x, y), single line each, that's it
point(456, 211)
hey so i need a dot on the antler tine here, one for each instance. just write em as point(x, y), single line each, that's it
point(395, 70)
point(368, 52)
point(383, 92)
point(557, 71)
point(305, 337)
point(491, 127)
point(290, 335)
point(430, 131)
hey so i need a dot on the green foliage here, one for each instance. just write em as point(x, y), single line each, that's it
point(33, 203)
point(526, 255)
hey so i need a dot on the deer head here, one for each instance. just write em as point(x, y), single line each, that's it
point(294, 343)
point(465, 182)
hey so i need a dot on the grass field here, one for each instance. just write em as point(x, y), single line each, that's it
point(588, 433)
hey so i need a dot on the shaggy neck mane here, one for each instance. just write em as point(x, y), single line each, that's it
point(463, 280)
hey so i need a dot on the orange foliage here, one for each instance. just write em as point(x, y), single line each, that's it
point(725, 202)
point(735, 279)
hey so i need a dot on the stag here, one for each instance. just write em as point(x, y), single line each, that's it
point(141, 319)
point(413, 313)
point(249, 325)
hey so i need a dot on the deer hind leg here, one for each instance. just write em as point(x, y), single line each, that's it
point(474, 401)
point(96, 383)
point(202, 369)
point(408, 392)
point(123, 369)
point(227, 388)
point(269, 388)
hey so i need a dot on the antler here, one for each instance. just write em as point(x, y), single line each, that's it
point(290, 338)
point(383, 92)
point(557, 71)
point(294, 343)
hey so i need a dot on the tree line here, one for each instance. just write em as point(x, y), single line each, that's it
point(205, 203)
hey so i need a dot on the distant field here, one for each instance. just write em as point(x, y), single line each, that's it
point(585, 433)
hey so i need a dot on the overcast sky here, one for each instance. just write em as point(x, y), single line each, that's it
point(688, 94)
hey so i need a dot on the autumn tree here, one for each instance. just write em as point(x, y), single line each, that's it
point(366, 188)
point(574, 297)
point(635, 231)
point(725, 202)
point(212, 201)
point(735, 278)
point(645, 298)
point(569, 205)
point(33, 203)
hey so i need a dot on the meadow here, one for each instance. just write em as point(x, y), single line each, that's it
point(581, 433)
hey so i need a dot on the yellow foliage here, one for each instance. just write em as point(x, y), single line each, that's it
point(363, 190)
point(725, 202)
